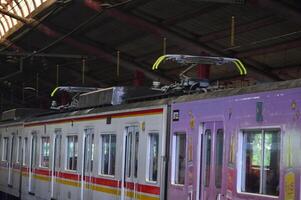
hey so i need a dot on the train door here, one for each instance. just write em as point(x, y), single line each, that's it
point(212, 161)
point(130, 176)
point(56, 165)
point(88, 164)
point(33, 163)
point(10, 161)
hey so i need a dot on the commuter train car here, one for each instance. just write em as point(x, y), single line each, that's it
point(230, 144)
point(99, 153)
point(237, 144)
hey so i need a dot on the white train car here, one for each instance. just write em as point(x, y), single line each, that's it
point(10, 156)
point(107, 153)
point(11, 151)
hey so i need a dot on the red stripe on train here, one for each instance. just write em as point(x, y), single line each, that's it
point(158, 110)
point(105, 182)
point(143, 188)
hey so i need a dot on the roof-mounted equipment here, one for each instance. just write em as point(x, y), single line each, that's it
point(187, 83)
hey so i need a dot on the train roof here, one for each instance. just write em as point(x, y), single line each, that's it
point(18, 115)
point(167, 100)
point(264, 87)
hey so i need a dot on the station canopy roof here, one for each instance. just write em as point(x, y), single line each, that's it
point(105, 43)
point(22, 8)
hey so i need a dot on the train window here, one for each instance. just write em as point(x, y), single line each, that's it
point(72, 152)
point(261, 160)
point(108, 154)
point(5, 149)
point(179, 159)
point(19, 153)
point(45, 151)
point(26, 152)
point(207, 156)
point(153, 157)
point(219, 157)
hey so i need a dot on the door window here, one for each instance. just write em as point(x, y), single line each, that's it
point(5, 149)
point(92, 152)
point(153, 157)
point(26, 152)
point(132, 151)
point(34, 152)
point(219, 157)
point(207, 156)
point(136, 154)
point(179, 159)
point(12, 151)
point(19, 153)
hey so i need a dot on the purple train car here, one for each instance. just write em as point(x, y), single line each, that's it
point(237, 144)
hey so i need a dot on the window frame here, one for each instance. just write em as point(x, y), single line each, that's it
point(66, 153)
point(240, 162)
point(174, 161)
point(110, 134)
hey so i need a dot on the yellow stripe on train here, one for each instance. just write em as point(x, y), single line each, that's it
point(70, 183)
point(42, 178)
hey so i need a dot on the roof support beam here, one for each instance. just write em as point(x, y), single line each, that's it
point(257, 69)
point(70, 71)
point(279, 8)
point(99, 53)
point(189, 15)
point(263, 22)
point(17, 17)
point(271, 49)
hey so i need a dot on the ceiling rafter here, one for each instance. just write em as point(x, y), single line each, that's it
point(27, 6)
point(69, 70)
point(241, 28)
point(34, 3)
point(270, 49)
point(159, 31)
point(279, 8)
point(19, 6)
point(188, 15)
point(100, 53)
